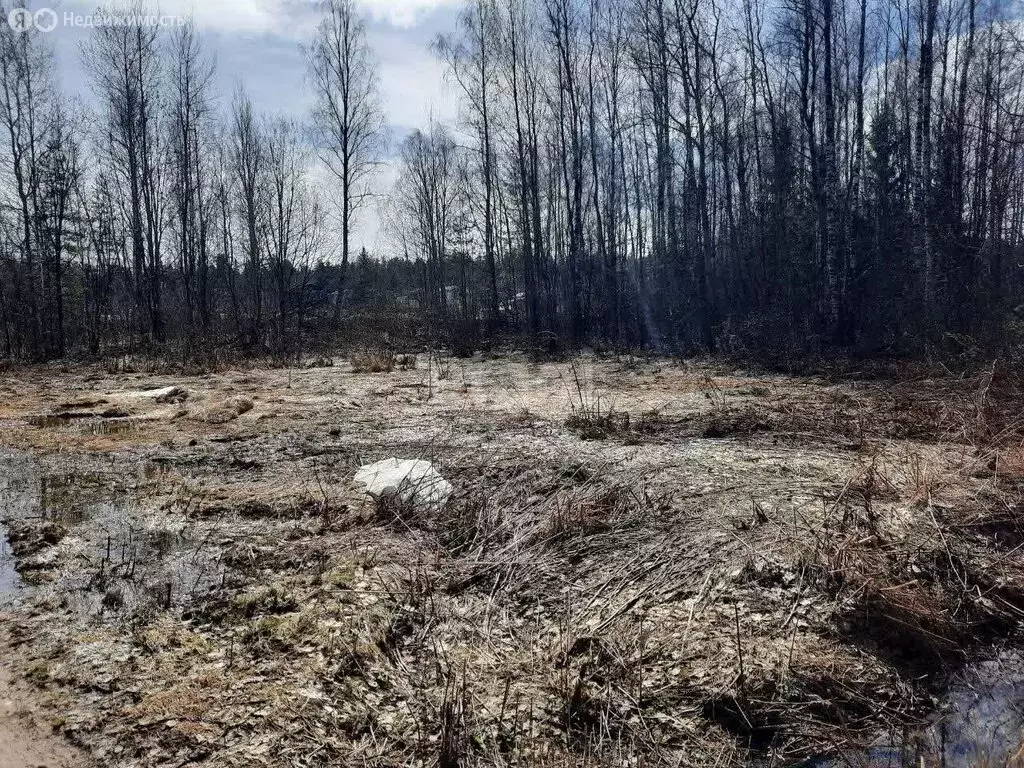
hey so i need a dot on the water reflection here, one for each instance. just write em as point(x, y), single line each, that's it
point(18, 482)
point(90, 535)
point(10, 581)
point(980, 725)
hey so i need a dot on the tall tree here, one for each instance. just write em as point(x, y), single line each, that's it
point(248, 158)
point(471, 61)
point(124, 61)
point(347, 115)
point(190, 126)
point(25, 110)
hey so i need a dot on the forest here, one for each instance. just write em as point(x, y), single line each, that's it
point(742, 177)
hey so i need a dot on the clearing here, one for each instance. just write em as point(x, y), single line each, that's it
point(641, 560)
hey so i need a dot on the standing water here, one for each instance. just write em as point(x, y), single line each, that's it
point(980, 724)
point(10, 581)
point(16, 490)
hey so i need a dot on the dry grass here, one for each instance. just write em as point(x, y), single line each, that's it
point(227, 410)
point(745, 578)
point(593, 416)
point(373, 361)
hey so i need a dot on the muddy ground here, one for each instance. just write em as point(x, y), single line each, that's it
point(644, 562)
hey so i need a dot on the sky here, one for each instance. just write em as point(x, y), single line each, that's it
point(259, 43)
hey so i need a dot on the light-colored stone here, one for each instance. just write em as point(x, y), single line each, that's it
point(410, 481)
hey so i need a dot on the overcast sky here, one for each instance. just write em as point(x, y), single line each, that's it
point(258, 42)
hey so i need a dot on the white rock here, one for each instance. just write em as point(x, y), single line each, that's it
point(172, 394)
point(413, 482)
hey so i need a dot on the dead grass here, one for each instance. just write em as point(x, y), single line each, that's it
point(593, 416)
point(228, 410)
point(756, 570)
point(373, 361)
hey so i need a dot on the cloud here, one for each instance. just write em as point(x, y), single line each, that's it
point(412, 82)
point(284, 18)
point(405, 13)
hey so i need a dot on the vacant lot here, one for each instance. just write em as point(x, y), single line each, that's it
point(643, 560)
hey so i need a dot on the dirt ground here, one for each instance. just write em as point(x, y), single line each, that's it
point(25, 740)
point(643, 561)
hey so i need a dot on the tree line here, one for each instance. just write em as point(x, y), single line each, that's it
point(153, 215)
point(730, 176)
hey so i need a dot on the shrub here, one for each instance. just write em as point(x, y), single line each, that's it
point(373, 361)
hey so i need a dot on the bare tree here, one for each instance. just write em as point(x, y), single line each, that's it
point(471, 61)
point(60, 177)
point(124, 64)
point(430, 194)
point(248, 159)
point(26, 109)
point(292, 225)
point(782, 180)
point(347, 117)
point(190, 126)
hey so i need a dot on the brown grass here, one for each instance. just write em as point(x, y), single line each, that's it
point(373, 361)
point(765, 568)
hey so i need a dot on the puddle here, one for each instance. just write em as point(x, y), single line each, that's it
point(10, 581)
point(114, 551)
point(17, 481)
point(980, 723)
